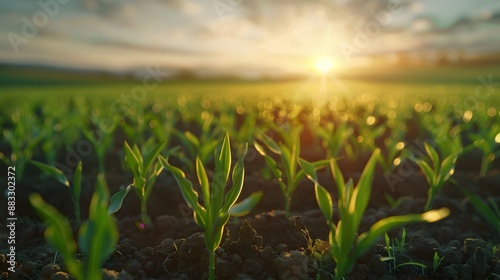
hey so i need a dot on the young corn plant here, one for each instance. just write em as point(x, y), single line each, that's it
point(368, 132)
point(201, 147)
point(345, 245)
point(436, 172)
point(488, 140)
point(436, 262)
point(216, 210)
point(103, 139)
point(75, 188)
point(394, 146)
point(22, 138)
point(287, 172)
point(334, 137)
point(96, 238)
point(145, 169)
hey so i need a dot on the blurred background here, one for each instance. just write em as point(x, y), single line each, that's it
point(258, 39)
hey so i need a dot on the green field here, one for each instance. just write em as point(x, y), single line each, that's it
point(422, 141)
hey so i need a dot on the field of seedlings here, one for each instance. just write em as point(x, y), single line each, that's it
point(250, 180)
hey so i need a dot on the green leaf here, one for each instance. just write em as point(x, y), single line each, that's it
point(294, 153)
point(222, 169)
point(192, 139)
point(140, 185)
point(225, 156)
point(433, 156)
point(427, 171)
point(140, 160)
point(158, 168)
point(153, 155)
point(186, 187)
point(244, 207)
point(77, 183)
point(483, 209)
point(238, 179)
point(53, 172)
point(214, 235)
point(447, 167)
point(271, 163)
point(324, 202)
point(99, 234)
point(286, 160)
point(259, 149)
point(362, 192)
point(309, 170)
point(58, 233)
point(338, 177)
point(368, 239)
point(203, 180)
point(131, 160)
point(270, 144)
point(116, 200)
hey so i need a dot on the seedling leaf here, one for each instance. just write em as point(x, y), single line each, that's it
point(244, 207)
point(53, 172)
point(325, 202)
point(116, 200)
point(269, 142)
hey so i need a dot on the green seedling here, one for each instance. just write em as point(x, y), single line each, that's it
point(436, 172)
point(217, 208)
point(75, 188)
point(134, 121)
point(436, 262)
point(145, 169)
point(488, 140)
point(446, 136)
point(393, 156)
point(61, 127)
point(396, 246)
point(490, 213)
point(101, 139)
point(368, 132)
point(287, 172)
point(202, 146)
point(345, 245)
point(394, 203)
point(22, 138)
point(96, 238)
point(334, 138)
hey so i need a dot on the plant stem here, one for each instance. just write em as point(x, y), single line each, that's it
point(484, 166)
point(144, 212)
point(211, 266)
point(288, 201)
point(77, 213)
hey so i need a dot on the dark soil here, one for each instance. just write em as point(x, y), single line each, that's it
point(266, 244)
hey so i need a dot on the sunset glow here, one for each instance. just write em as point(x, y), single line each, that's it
point(323, 64)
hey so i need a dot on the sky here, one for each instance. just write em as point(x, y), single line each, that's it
point(250, 37)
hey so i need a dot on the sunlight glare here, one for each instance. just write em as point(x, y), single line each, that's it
point(323, 64)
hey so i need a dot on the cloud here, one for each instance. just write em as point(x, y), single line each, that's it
point(247, 32)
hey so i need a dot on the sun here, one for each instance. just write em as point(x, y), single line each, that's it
point(323, 64)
